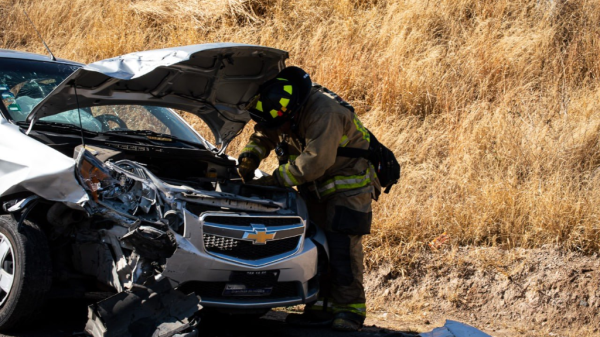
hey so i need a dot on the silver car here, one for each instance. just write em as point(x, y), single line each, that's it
point(103, 186)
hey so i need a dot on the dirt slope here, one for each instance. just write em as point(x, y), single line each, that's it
point(541, 292)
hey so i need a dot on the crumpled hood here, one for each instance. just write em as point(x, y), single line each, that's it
point(213, 81)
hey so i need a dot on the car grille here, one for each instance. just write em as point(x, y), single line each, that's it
point(245, 250)
point(254, 239)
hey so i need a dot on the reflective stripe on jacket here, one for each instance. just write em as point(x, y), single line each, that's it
point(255, 150)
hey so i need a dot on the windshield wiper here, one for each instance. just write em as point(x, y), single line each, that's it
point(152, 135)
point(58, 126)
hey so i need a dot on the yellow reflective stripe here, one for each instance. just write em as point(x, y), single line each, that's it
point(340, 183)
point(360, 127)
point(358, 308)
point(284, 102)
point(288, 177)
point(273, 113)
point(288, 89)
point(281, 79)
point(344, 141)
point(286, 180)
point(259, 106)
point(255, 148)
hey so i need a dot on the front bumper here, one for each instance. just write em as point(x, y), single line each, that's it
point(193, 268)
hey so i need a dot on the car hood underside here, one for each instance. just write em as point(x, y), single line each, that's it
point(213, 81)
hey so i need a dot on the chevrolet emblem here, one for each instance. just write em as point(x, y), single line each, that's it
point(259, 235)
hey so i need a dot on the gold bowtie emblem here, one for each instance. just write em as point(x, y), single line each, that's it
point(259, 235)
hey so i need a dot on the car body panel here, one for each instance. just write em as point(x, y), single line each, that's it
point(27, 165)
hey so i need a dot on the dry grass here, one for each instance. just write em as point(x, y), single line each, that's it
point(491, 106)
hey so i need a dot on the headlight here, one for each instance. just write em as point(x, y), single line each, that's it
point(93, 175)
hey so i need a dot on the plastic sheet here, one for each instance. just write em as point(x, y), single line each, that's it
point(455, 329)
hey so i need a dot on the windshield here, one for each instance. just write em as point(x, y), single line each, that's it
point(128, 118)
point(24, 83)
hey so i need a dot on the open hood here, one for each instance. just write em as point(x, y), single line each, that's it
point(213, 81)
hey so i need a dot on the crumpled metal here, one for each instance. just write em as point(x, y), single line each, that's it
point(137, 64)
point(28, 165)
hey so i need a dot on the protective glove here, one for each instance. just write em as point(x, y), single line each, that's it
point(246, 168)
point(265, 181)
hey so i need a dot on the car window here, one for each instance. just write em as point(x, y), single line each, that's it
point(131, 117)
point(127, 118)
point(24, 83)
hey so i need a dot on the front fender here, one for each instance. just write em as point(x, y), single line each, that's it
point(27, 165)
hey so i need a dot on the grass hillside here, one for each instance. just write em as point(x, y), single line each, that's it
point(491, 106)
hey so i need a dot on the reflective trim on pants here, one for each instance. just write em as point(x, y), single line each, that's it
point(355, 308)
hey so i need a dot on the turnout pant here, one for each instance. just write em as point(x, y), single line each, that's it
point(345, 218)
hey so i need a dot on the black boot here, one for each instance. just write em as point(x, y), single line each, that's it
point(347, 321)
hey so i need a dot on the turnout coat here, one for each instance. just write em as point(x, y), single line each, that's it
point(308, 152)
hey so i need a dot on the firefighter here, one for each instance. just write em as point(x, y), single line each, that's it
point(305, 126)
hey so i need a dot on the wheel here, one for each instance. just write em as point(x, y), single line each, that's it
point(104, 119)
point(25, 272)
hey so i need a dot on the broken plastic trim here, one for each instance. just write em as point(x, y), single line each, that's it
point(156, 310)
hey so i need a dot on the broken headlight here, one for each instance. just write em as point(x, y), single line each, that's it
point(122, 187)
point(93, 175)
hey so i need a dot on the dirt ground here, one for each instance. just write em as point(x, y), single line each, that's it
point(517, 292)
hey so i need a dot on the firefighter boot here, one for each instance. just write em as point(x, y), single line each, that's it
point(347, 321)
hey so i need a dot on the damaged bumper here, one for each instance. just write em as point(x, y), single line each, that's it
point(211, 265)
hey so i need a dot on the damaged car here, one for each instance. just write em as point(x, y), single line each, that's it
point(107, 192)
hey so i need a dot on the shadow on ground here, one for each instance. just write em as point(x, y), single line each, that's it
point(67, 318)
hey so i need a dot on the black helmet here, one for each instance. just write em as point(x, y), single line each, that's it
point(279, 98)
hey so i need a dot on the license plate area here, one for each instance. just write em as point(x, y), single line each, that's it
point(251, 283)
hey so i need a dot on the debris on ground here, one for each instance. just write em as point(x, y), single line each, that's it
point(154, 311)
point(455, 329)
point(439, 241)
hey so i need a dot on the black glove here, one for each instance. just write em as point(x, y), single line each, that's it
point(246, 168)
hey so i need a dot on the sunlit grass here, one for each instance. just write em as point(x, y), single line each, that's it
point(491, 106)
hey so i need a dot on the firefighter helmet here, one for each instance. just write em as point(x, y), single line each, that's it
point(280, 98)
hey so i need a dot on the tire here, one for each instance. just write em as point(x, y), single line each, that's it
point(24, 256)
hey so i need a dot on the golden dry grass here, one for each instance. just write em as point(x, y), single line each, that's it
point(491, 106)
